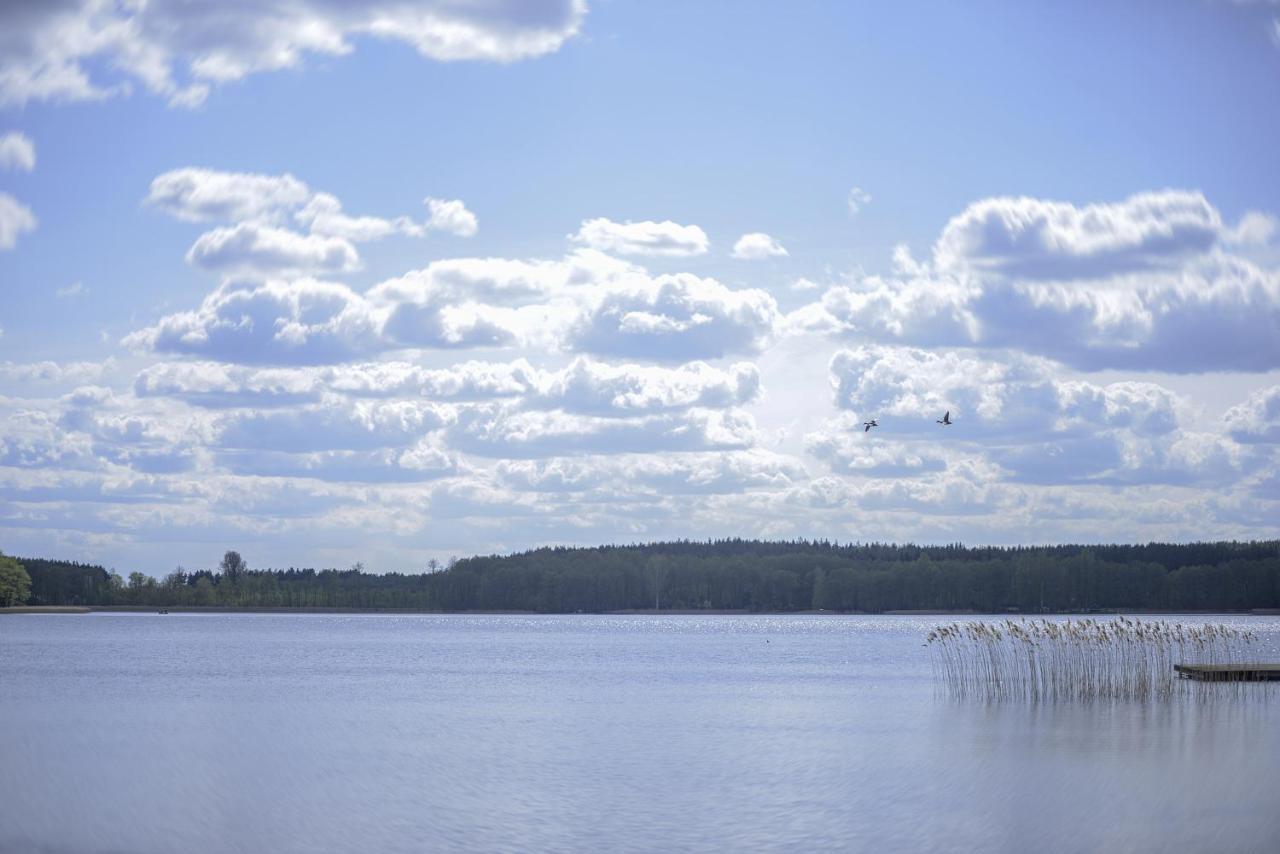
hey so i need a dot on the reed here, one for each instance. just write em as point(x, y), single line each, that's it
point(1120, 659)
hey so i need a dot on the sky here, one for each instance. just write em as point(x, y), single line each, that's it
point(388, 282)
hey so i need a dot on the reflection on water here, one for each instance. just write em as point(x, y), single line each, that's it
point(584, 733)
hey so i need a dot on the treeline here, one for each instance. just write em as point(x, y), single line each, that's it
point(735, 575)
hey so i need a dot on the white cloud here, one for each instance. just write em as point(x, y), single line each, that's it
point(75, 289)
point(284, 322)
point(1037, 239)
point(53, 372)
point(334, 425)
point(858, 199)
point(674, 318)
point(1257, 420)
point(1015, 416)
point(33, 439)
point(422, 462)
point(757, 245)
point(1255, 228)
point(506, 432)
point(17, 151)
point(587, 302)
point(584, 386)
point(1015, 397)
point(1163, 295)
point(698, 473)
point(15, 219)
point(323, 214)
point(597, 388)
point(91, 49)
point(248, 249)
point(642, 238)
point(466, 381)
point(215, 385)
point(849, 451)
point(200, 195)
point(451, 215)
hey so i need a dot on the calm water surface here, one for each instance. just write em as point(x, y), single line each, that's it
point(323, 733)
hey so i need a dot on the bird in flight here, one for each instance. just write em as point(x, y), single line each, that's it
point(867, 425)
point(946, 419)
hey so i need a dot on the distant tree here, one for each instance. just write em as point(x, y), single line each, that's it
point(232, 566)
point(819, 601)
point(204, 591)
point(15, 584)
point(115, 587)
point(658, 566)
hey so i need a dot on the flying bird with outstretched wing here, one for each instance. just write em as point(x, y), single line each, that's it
point(946, 419)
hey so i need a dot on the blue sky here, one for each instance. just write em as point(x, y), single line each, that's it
point(1056, 220)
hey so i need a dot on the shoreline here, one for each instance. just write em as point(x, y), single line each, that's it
point(672, 612)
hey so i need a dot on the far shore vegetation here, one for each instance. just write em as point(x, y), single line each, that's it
point(719, 575)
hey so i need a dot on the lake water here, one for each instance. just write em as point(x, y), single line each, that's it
point(327, 733)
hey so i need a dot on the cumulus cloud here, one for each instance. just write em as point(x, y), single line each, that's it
point(303, 321)
point(323, 214)
point(666, 474)
point(642, 238)
point(336, 424)
point(1143, 284)
point(586, 302)
point(216, 385)
point(1014, 414)
point(1038, 239)
point(423, 462)
point(847, 452)
point(675, 318)
point(757, 245)
point(597, 388)
point(249, 249)
point(451, 215)
point(466, 381)
point(33, 439)
point(17, 151)
point(584, 386)
point(89, 49)
point(858, 199)
point(52, 372)
point(148, 441)
point(507, 432)
point(263, 211)
point(1255, 228)
point(1257, 420)
point(201, 195)
point(1007, 398)
point(15, 219)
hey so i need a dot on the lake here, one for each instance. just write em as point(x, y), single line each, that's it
point(328, 733)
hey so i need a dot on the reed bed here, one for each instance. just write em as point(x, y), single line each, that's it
point(1120, 659)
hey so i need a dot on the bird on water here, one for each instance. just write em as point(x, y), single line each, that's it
point(946, 419)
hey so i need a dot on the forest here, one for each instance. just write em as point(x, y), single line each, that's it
point(722, 575)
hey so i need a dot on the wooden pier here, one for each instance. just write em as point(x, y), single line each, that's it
point(1229, 672)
